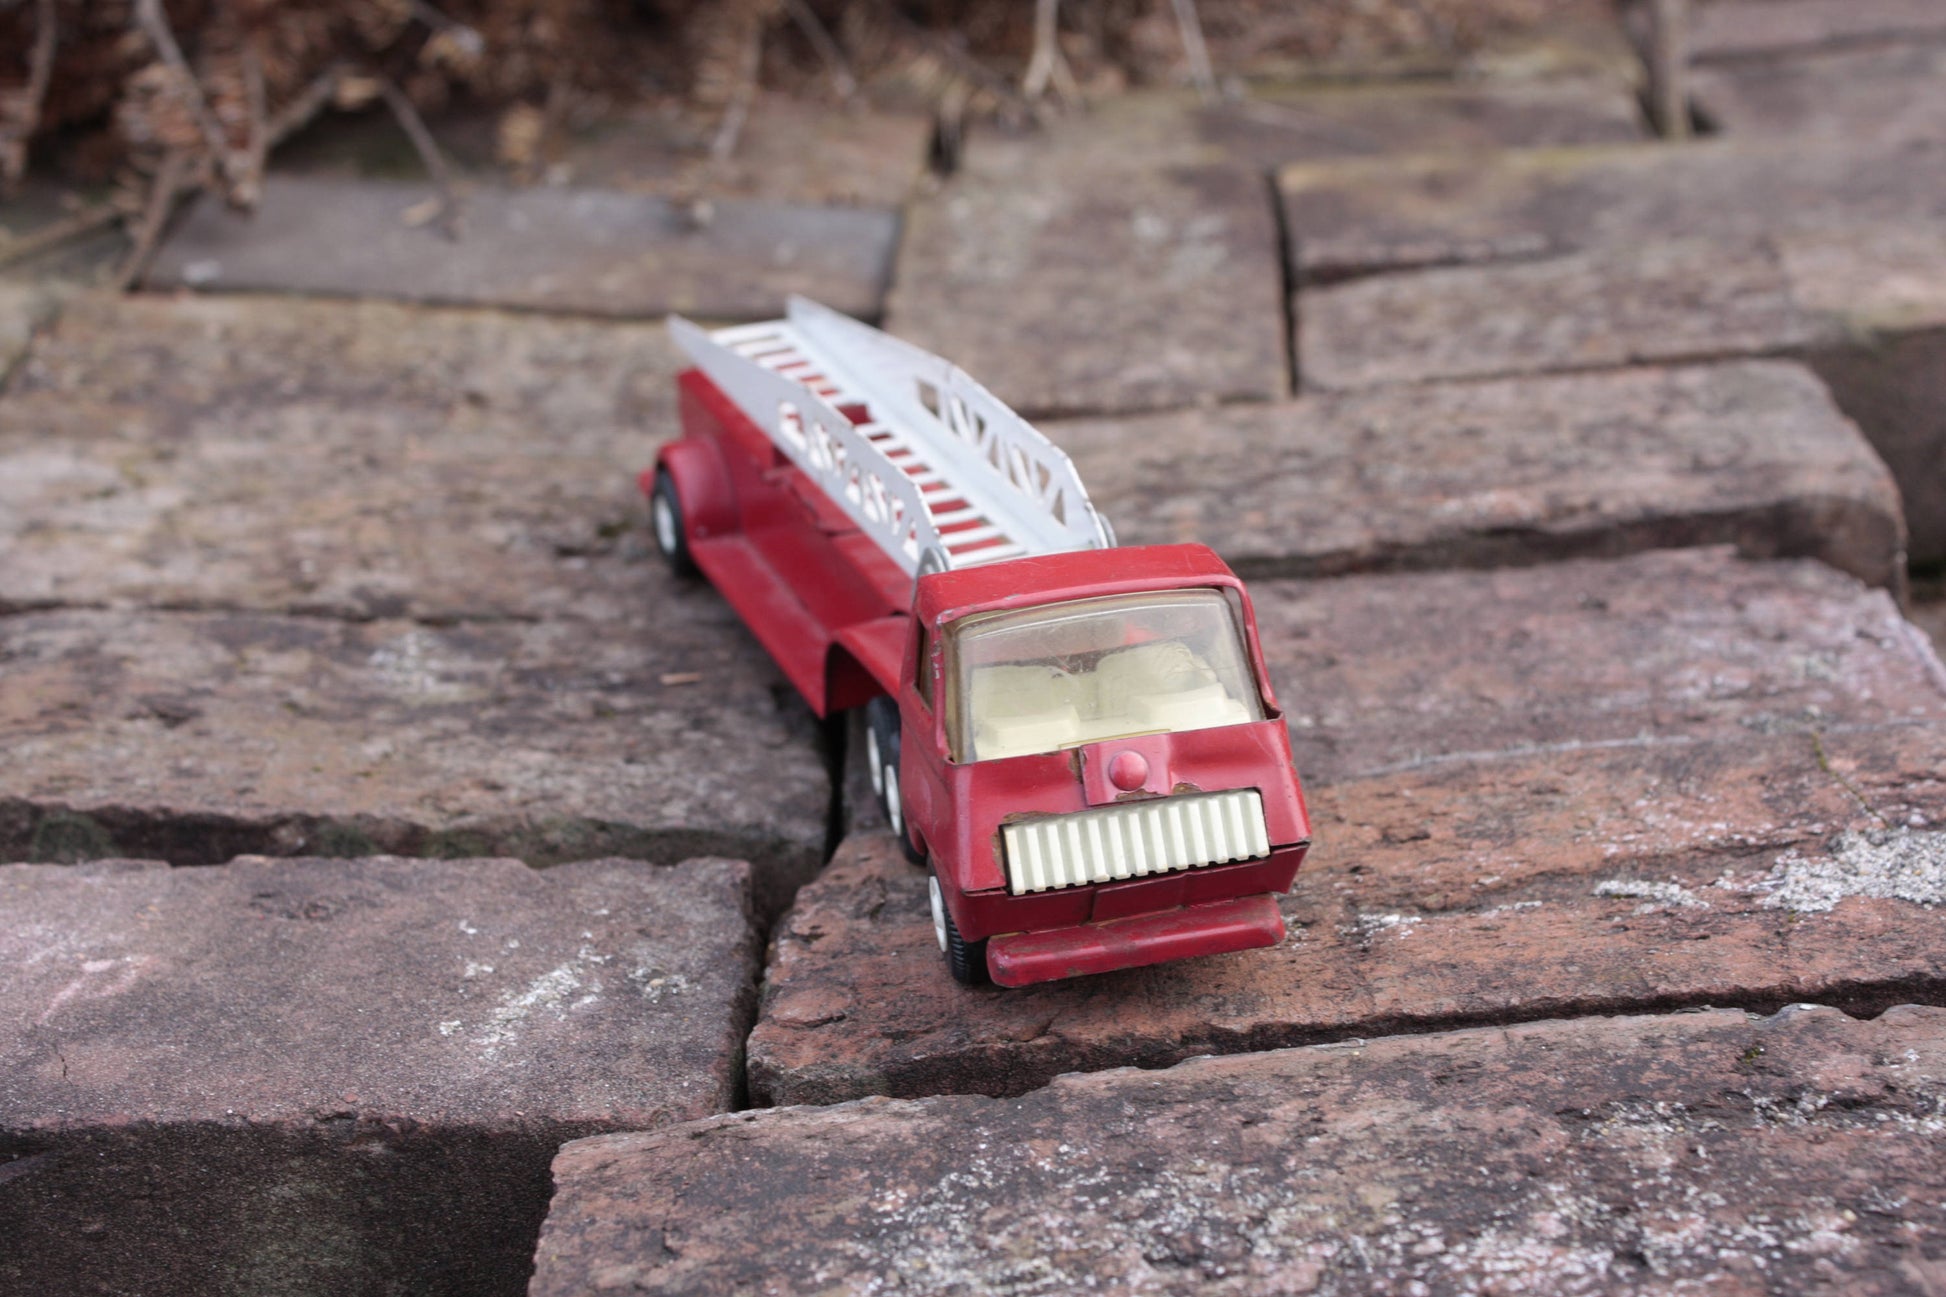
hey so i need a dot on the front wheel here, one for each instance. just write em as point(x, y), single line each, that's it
point(966, 960)
point(666, 520)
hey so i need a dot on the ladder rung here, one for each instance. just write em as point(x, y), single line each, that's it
point(952, 517)
point(991, 554)
point(738, 334)
point(973, 535)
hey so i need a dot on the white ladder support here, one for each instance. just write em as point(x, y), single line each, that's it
point(932, 431)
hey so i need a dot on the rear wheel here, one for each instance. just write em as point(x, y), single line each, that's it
point(882, 760)
point(666, 521)
point(966, 960)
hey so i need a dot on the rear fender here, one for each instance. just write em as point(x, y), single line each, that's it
point(702, 484)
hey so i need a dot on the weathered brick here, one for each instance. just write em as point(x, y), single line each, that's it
point(1665, 781)
point(357, 460)
point(192, 737)
point(1865, 303)
point(1800, 1152)
point(1478, 474)
point(591, 251)
point(1135, 290)
point(1358, 217)
point(1723, 30)
point(1872, 93)
point(341, 1076)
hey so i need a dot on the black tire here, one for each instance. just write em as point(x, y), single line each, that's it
point(966, 960)
point(667, 524)
point(882, 762)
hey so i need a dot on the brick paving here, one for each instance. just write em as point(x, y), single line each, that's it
point(1626, 778)
point(1578, 581)
point(342, 1075)
point(1498, 472)
point(1798, 1152)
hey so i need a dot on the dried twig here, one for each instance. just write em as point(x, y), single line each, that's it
point(156, 27)
point(40, 71)
point(827, 49)
point(301, 111)
point(749, 64)
point(1190, 24)
point(1048, 66)
point(429, 154)
point(55, 233)
point(246, 187)
point(175, 178)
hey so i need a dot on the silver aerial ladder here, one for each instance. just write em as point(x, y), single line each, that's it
point(928, 463)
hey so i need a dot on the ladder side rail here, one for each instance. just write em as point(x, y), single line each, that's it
point(1032, 480)
point(873, 492)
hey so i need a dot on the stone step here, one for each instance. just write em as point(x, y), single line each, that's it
point(1669, 780)
point(192, 737)
point(325, 458)
point(341, 1076)
point(1799, 1152)
point(1497, 472)
point(597, 252)
point(1864, 304)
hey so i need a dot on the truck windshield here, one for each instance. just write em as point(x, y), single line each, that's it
point(1033, 680)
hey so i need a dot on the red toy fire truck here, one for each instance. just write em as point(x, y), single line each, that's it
point(1079, 739)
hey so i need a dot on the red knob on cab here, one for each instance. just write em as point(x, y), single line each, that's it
point(1128, 771)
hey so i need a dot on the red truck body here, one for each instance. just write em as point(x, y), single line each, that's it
point(1111, 850)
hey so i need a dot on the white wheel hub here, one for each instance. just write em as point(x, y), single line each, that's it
point(664, 519)
point(872, 762)
point(894, 808)
point(938, 912)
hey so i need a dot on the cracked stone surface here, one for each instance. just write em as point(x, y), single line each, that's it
point(1517, 471)
point(1799, 1152)
point(597, 252)
point(193, 737)
point(330, 1075)
point(341, 459)
point(1611, 776)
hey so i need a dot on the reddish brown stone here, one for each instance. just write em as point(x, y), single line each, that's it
point(193, 737)
point(341, 1076)
point(1478, 474)
point(1796, 1153)
point(1666, 781)
point(1872, 93)
point(347, 459)
point(1864, 302)
point(589, 251)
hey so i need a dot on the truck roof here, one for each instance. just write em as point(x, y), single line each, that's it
point(1077, 574)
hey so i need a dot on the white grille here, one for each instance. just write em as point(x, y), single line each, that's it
point(1135, 839)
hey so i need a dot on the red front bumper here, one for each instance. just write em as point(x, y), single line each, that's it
point(1212, 928)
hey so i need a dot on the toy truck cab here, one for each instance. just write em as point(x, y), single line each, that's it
point(1078, 738)
point(1093, 760)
